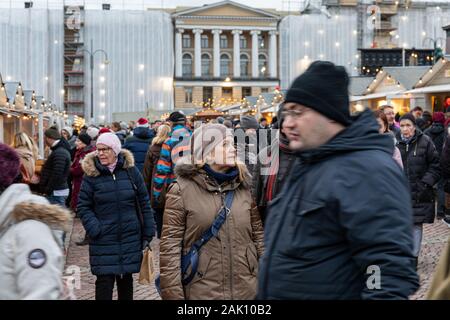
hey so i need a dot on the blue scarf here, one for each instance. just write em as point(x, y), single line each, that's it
point(221, 177)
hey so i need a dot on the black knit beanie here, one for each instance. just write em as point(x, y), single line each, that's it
point(324, 88)
point(408, 116)
point(52, 133)
point(85, 138)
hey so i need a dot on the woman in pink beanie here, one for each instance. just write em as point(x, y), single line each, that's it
point(114, 208)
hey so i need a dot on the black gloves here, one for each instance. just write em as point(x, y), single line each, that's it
point(424, 192)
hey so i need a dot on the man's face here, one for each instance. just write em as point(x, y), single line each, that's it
point(264, 123)
point(389, 112)
point(408, 129)
point(417, 114)
point(304, 127)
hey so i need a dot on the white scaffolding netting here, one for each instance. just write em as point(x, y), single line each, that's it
point(306, 38)
point(32, 50)
point(140, 49)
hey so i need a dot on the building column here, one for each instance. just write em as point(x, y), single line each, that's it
point(255, 64)
point(236, 53)
point(198, 53)
point(216, 56)
point(178, 53)
point(273, 54)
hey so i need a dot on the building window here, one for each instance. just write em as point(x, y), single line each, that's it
point(187, 65)
point(28, 5)
point(261, 43)
point(205, 41)
point(223, 41)
point(227, 93)
point(262, 65)
point(243, 41)
point(246, 92)
point(264, 90)
point(187, 41)
point(106, 6)
point(224, 65)
point(207, 94)
point(244, 64)
point(188, 95)
point(206, 63)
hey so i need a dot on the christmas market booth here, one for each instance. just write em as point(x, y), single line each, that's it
point(433, 88)
point(206, 115)
point(389, 86)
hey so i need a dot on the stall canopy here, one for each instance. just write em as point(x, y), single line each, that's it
point(431, 89)
point(3, 96)
point(14, 93)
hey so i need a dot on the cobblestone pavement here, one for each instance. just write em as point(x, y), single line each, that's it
point(78, 256)
point(434, 240)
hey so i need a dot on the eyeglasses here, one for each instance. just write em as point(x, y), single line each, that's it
point(295, 113)
point(104, 150)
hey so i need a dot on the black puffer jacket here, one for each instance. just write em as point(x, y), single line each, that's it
point(421, 166)
point(108, 211)
point(343, 212)
point(56, 169)
point(437, 133)
point(445, 164)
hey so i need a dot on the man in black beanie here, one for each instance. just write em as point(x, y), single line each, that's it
point(341, 228)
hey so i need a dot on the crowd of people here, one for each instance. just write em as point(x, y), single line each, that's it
point(302, 208)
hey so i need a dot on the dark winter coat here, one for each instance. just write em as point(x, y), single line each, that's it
point(122, 135)
point(76, 173)
point(56, 169)
point(437, 133)
point(421, 166)
point(108, 212)
point(270, 174)
point(138, 144)
point(343, 210)
point(445, 164)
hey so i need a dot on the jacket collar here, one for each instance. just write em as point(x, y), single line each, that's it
point(93, 168)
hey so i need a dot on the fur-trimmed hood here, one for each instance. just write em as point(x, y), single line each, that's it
point(91, 170)
point(17, 204)
point(199, 175)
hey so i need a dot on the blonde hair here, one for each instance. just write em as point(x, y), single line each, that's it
point(21, 139)
point(162, 134)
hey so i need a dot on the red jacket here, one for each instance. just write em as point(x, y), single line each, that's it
point(77, 174)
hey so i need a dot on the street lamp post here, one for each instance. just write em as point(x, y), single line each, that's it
point(91, 60)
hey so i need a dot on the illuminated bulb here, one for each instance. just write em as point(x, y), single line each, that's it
point(141, 67)
point(102, 79)
point(141, 92)
point(102, 92)
point(337, 44)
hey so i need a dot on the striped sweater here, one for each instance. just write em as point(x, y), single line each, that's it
point(164, 174)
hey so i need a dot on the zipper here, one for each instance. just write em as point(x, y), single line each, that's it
point(230, 256)
point(119, 235)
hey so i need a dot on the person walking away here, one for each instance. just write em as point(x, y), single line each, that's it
point(114, 208)
point(31, 259)
point(151, 159)
point(28, 153)
point(56, 170)
point(421, 166)
point(139, 143)
point(272, 169)
point(175, 145)
point(328, 229)
point(227, 262)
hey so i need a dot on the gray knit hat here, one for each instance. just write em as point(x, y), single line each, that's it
point(248, 122)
